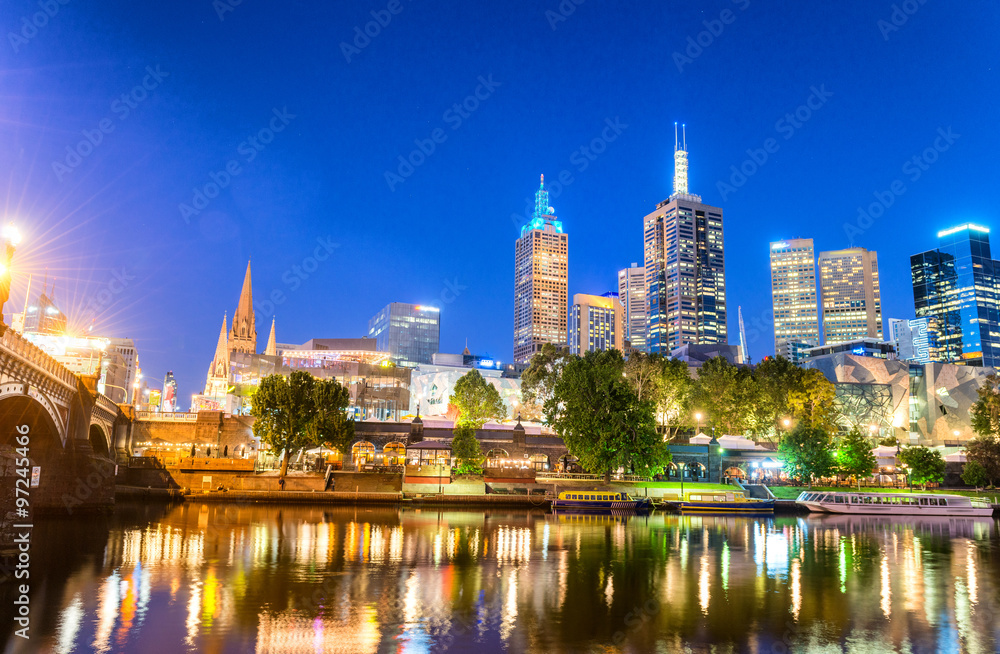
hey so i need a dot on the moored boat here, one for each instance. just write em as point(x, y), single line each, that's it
point(894, 504)
point(723, 502)
point(599, 501)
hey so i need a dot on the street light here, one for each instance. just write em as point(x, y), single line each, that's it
point(697, 418)
point(681, 466)
point(10, 237)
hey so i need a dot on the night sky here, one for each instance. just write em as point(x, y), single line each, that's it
point(106, 221)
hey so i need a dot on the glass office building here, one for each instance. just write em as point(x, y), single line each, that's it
point(411, 333)
point(955, 288)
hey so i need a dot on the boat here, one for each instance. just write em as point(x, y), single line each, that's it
point(599, 501)
point(894, 504)
point(722, 502)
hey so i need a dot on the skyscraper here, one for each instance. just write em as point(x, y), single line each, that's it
point(243, 337)
point(632, 295)
point(541, 283)
point(411, 333)
point(596, 322)
point(910, 337)
point(849, 295)
point(793, 294)
point(955, 288)
point(685, 268)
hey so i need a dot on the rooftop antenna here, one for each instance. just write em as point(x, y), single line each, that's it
point(743, 337)
point(680, 161)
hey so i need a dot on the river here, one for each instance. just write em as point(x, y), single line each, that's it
point(211, 577)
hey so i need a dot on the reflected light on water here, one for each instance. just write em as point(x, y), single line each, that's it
point(886, 591)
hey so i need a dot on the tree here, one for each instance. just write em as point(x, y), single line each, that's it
point(777, 378)
point(330, 424)
point(974, 474)
point(855, 457)
point(477, 400)
point(926, 465)
point(807, 453)
point(465, 448)
point(985, 451)
point(728, 394)
point(539, 379)
point(284, 408)
point(673, 397)
point(601, 420)
point(985, 412)
point(814, 401)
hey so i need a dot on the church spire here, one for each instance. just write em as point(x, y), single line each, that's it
point(218, 372)
point(272, 348)
point(244, 333)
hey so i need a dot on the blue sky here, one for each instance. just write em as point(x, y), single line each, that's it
point(106, 220)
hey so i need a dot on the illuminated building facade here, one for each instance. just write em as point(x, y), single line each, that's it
point(44, 317)
point(793, 293)
point(955, 289)
point(541, 281)
point(910, 338)
point(849, 295)
point(168, 403)
point(685, 268)
point(410, 333)
point(596, 323)
point(632, 295)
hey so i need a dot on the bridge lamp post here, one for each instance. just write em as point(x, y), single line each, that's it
point(10, 238)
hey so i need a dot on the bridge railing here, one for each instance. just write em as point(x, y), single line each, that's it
point(29, 352)
point(177, 416)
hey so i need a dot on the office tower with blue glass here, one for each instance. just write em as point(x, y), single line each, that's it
point(632, 294)
point(596, 322)
point(955, 288)
point(541, 281)
point(685, 267)
point(411, 333)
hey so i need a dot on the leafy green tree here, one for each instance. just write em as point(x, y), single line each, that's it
point(477, 400)
point(985, 412)
point(807, 452)
point(889, 441)
point(284, 409)
point(539, 379)
point(673, 397)
point(855, 457)
point(814, 401)
point(330, 424)
point(728, 394)
point(465, 448)
point(974, 474)
point(777, 377)
point(985, 451)
point(926, 465)
point(602, 421)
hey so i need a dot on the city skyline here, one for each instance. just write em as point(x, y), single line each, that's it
point(315, 196)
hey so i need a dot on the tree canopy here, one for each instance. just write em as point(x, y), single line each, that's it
point(855, 457)
point(926, 465)
point(300, 411)
point(601, 419)
point(728, 394)
point(466, 450)
point(985, 450)
point(974, 474)
point(539, 379)
point(985, 412)
point(814, 400)
point(667, 384)
point(477, 400)
point(807, 452)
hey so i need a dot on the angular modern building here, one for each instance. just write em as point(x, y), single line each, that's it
point(541, 281)
point(955, 289)
point(793, 294)
point(411, 333)
point(849, 295)
point(632, 295)
point(685, 268)
point(596, 322)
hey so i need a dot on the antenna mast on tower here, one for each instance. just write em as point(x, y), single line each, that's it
point(743, 337)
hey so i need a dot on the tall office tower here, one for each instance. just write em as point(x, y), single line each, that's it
point(540, 281)
point(169, 401)
point(596, 322)
point(793, 294)
point(910, 337)
point(849, 295)
point(130, 358)
point(685, 267)
point(243, 337)
point(955, 288)
point(632, 294)
point(411, 333)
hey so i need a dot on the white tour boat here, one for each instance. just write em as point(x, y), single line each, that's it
point(894, 504)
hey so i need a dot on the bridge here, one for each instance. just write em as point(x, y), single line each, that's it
point(75, 434)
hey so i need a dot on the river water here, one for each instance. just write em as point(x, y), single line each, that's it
point(211, 577)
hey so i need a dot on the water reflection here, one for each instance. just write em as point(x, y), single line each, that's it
point(206, 577)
